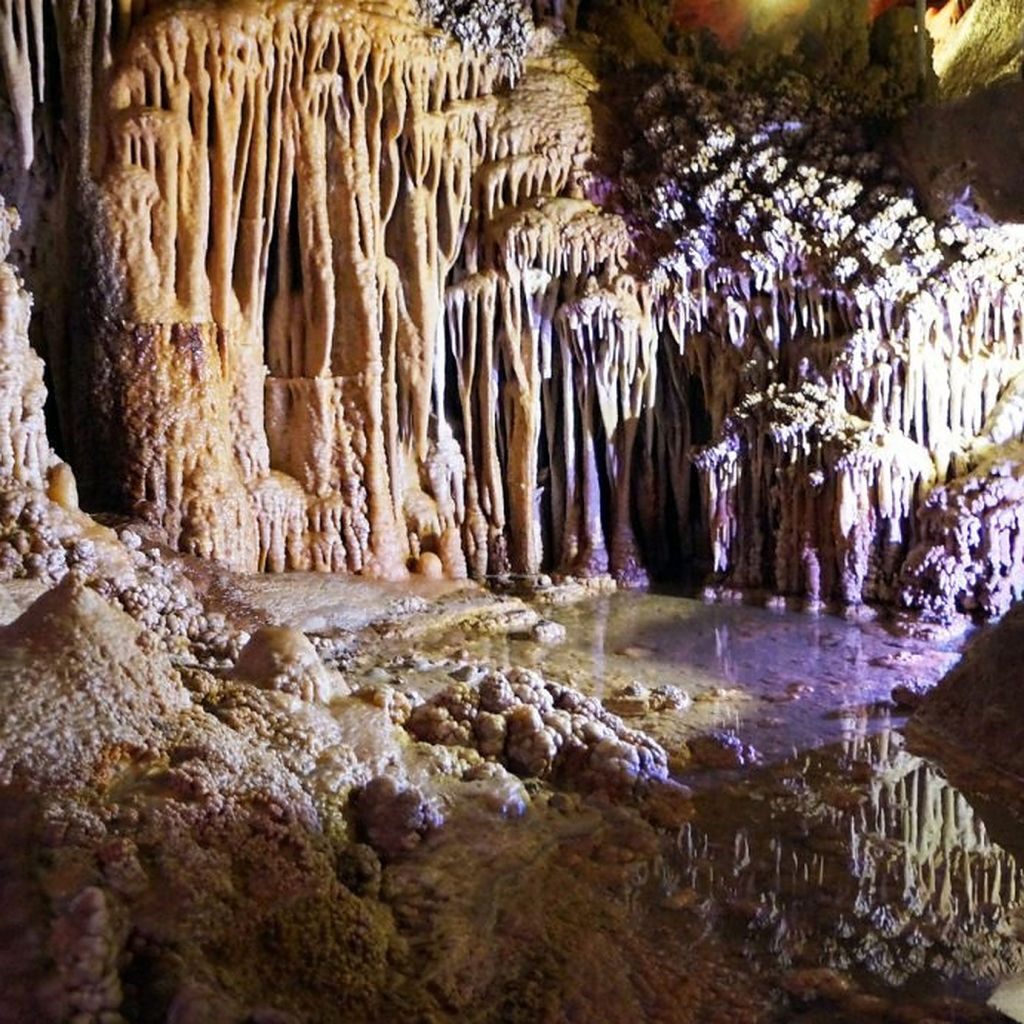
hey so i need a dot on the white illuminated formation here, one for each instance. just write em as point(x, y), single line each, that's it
point(26, 459)
point(852, 352)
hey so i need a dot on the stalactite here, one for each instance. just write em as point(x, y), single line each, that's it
point(296, 180)
point(395, 323)
point(26, 458)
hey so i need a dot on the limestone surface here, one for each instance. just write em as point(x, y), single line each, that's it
point(457, 289)
point(387, 296)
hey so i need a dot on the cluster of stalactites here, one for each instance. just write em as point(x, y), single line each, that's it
point(839, 494)
point(551, 347)
point(257, 143)
point(932, 368)
point(301, 177)
point(832, 415)
point(21, 37)
point(381, 318)
point(85, 39)
point(559, 320)
point(26, 458)
point(794, 500)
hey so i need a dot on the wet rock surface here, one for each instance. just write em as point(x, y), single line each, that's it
point(379, 287)
point(972, 716)
point(450, 821)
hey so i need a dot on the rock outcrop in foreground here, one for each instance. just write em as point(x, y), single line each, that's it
point(205, 820)
point(973, 717)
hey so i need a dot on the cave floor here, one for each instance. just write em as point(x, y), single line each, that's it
point(801, 864)
point(826, 873)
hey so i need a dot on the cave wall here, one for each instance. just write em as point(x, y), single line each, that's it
point(339, 290)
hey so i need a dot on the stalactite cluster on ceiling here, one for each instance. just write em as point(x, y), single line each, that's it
point(346, 292)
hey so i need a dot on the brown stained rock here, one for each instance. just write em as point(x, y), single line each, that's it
point(368, 290)
point(972, 717)
point(721, 750)
point(282, 658)
point(394, 818)
point(115, 688)
point(814, 983)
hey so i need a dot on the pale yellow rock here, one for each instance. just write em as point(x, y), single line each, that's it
point(61, 487)
point(429, 566)
point(282, 658)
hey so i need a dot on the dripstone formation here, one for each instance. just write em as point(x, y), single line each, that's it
point(554, 297)
point(356, 287)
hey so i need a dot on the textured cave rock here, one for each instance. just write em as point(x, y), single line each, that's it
point(362, 287)
point(972, 718)
point(378, 287)
point(26, 459)
point(172, 837)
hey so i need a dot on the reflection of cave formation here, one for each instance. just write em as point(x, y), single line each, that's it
point(915, 882)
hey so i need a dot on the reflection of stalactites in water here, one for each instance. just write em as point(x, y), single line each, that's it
point(599, 623)
point(856, 725)
point(897, 873)
point(950, 867)
point(741, 853)
point(724, 652)
point(726, 719)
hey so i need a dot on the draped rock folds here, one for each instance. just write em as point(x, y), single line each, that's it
point(299, 201)
point(366, 294)
point(299, 180)
point(26, 459)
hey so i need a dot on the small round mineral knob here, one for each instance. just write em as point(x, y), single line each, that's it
point(429, 566)
point(61, 487)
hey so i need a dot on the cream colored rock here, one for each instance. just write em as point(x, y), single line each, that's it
point(61, 487)
point(429, 566)
point(112, 681)
point(25, 453)
point(281, 658)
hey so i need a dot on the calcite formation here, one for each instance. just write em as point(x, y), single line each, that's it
point(363, 289)
point(459, 288)
point(26, 458)
point(859, 353)
point(541, 729)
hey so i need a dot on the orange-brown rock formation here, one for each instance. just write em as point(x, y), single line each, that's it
point(346, 294)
